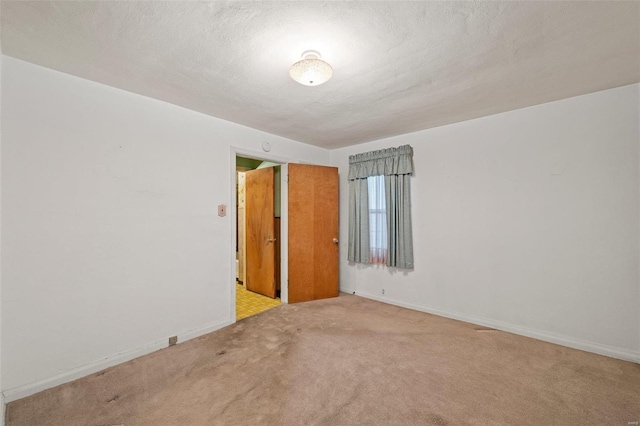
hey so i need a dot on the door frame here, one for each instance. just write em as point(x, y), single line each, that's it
point(284, 222)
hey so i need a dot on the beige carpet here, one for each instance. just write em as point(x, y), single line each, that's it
point(348, 361)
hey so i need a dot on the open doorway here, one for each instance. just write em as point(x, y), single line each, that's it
point(258, 237)
point(308, 229)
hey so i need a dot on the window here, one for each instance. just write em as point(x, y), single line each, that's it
point(377, 220)
point(380, 207)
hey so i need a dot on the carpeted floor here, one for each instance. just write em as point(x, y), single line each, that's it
point(348, 361)
point(249, 303)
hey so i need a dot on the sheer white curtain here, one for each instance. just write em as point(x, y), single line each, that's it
point(377, 220)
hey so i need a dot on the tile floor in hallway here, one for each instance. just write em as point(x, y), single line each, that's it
point(249, 303)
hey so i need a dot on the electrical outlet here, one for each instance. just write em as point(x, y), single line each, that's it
point(383, 291)
point(173, 340)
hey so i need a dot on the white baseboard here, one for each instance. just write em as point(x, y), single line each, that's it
point(19, 392)
point(570, 342)
point(347, 290)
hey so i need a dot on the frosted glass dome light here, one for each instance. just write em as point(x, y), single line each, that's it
point(311, 70)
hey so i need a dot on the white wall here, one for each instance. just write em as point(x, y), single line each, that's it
point(1, 394)
point(111, 239)
point(526, 221)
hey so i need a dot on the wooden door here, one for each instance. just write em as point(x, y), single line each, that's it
point(313, 232)
point(260, 236)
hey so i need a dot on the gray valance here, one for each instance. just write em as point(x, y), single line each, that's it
point(390, 161)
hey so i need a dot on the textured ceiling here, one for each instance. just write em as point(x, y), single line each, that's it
point(398, 66)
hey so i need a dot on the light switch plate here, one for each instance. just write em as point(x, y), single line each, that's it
point(222, 210)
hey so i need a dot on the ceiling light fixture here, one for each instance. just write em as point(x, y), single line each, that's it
point(311, 70)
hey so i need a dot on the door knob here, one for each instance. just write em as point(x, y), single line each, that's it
point(271, 240)
point(335, 240)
